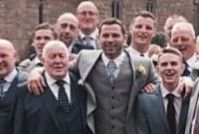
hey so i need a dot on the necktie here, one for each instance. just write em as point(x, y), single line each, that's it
point(111, 67)
point(2, 93)
point(87, 41)
point(196, 125)
point(141, 54)
point(171, 113)
point(62, 97)
point(186, 70)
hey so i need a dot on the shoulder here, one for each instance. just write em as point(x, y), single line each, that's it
point(22, 76)
point(25, 63)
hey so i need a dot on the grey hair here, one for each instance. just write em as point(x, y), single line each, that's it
point(6, 43)
point(186, 26)
point(54, 44)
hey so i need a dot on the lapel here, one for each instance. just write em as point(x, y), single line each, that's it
point(183, 115)
point(161, 109)
point(86, 67)
point(50, 103)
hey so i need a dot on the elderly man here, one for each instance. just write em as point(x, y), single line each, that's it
point(142, 30)
point(170, 21)
point(62, 107)
point(88, 16)
point(10, 79)
point(165, 110)
point(43, 33)
point(184, 39)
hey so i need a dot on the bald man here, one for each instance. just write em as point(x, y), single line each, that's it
point(10, 78)
point(67, 29)
point(88, 16)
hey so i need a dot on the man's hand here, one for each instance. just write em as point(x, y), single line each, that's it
point(36, 82)
point(149, 88)
point(186, 86)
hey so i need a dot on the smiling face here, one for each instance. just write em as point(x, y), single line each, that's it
point(183, 39)
point(170, 68)
point(142, 31)
point(111, 39)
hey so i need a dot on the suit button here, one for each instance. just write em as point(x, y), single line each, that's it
point(112, 117)
point(112, 127)
point(113, 97)
point(112, 107)
point(113, 88)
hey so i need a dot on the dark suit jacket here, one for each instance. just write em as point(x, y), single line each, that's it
point(7, 105)
point(38, 114)
point(150, 116)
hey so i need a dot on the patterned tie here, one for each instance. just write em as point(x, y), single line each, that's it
point(2, 93)
point(171, 113)
point(111, 67)
point(87, 42)
point(196, 125)
point(62, 97)
point(186, 70)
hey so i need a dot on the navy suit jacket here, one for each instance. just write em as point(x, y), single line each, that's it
point(7, 105)
point(150, 115)
point(38, 114)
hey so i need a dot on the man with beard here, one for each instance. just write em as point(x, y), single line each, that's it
point(165, 110)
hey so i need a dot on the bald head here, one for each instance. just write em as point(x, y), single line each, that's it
point(67, 28)
point(87, 4)
point(88, 16)
point(8, 57)
point(7, 45)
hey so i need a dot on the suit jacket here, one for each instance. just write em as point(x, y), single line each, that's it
point(151, 116)
point(39, 114)
point(192, 108)
point(143, 73)
point(7, 105)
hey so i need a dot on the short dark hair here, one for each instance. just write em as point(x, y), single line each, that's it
point(145, 14)
point(45, 26)
point(111, 21)
point(171, 50)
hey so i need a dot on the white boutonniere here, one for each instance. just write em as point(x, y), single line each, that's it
point(195, 70)
point(140, 71)
point(80, 82)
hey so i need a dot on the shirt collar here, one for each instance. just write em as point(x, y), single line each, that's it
point(134, 51)
point(192, 60)
point(93, 35)
point(51, 81)
point(165, 92)
point(10, 77)
point(117, 60)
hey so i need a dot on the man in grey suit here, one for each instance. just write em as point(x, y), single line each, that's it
point(114, 77)
point(165, 110)
point(193, 110)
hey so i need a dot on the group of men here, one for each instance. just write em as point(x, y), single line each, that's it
point(84, 79)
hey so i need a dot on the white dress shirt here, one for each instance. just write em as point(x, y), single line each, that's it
point(192, 60)
point(134, 51)
point(55, 88)
point(9, 79)
point(177, 101)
